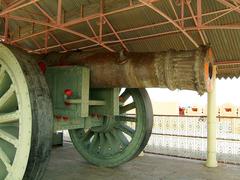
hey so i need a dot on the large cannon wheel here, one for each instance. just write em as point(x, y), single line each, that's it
point(122, 137)
point(25, 117)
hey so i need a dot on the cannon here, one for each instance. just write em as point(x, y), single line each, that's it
point(98, 97)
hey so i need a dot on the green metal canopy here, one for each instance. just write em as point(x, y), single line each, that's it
point(43, 26)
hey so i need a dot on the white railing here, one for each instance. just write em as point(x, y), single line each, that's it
point(186, 136)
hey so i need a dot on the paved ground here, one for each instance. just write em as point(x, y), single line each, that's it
point(66, 164)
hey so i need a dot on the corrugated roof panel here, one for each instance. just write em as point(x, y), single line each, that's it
point(225, 44)
point(49, 7)
point(82, 28)
point(158, 44)
point(147, 32)
point(80, 44)
point(111, 5)
point(209, 5)
point(228, 71)
point(231, 18)
point(135, 18)
point(65, 37)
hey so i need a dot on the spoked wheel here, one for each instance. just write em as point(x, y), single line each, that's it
point(122, 137)
point(25, 117)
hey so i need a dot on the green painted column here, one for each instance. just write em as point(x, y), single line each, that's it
point(212, 125)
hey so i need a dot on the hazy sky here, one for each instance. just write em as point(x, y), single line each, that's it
point(228, 91)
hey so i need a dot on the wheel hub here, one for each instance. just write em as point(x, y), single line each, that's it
point(108, 124)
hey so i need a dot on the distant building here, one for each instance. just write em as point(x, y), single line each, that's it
point(195, 110)
point(228, 110)
point(174, 108)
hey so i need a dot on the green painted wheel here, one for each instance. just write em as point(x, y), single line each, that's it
point(122, 137)
point(25, 117)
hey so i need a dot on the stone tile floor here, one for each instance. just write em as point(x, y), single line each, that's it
point(67, 164)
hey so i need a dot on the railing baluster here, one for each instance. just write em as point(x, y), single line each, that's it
point(186, 137)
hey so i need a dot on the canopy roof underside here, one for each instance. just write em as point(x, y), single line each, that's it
point(43, 26)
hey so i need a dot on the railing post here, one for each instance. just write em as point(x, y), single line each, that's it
point(212, 125)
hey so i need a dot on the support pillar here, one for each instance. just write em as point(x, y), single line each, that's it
point(212, 125)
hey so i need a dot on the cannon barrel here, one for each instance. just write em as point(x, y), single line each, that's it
point(190, 70)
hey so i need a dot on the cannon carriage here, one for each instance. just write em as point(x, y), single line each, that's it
point(97, 98)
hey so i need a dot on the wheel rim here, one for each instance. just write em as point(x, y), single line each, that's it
point(15, 120)
point(123, 138)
